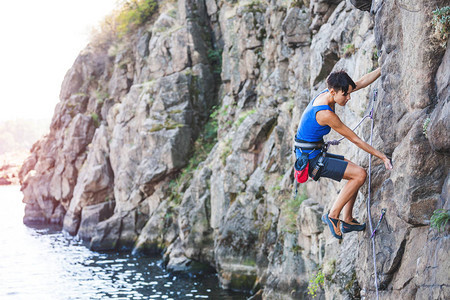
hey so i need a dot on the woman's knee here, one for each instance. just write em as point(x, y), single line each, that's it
point(355, 172)
point(361, 175)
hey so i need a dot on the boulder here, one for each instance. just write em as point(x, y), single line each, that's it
point(106, 235)
point(159, 232)
point(91, 215)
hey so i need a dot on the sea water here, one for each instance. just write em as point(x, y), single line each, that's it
point(45, 263)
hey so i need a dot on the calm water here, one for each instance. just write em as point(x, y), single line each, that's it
point(41, 263)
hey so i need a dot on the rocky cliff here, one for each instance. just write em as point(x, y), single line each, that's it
point(123, 167)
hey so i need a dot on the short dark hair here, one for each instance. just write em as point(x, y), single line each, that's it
point(339, 81)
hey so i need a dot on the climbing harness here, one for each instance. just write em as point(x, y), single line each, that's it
point(302, 163)
point(301, 166)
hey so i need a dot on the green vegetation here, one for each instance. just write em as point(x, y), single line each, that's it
point(222, 114)
point(249, 262)
point(213, 117)
point(332, 266)
point(375, 58)
point(202, 147)
point(275, 188)
point(168, 124)
point(101, 96)
point(226, 151)
point(316, 283)
point(375, 54)
point(351, 282)
point(290, 209)
point(243, 116)
point(100, 102)
point(348, 50)
point(169, 214)
point(193, 84)
point(441, 23)
point(254, 7)
point(134, 13)
point(210, 132)
point(291, 105)
point(128, 16)
point(297, 3)
point(439, 219)
point(425, 125)
point(328, 270)
point(172, 13)
point(242, 281)
point(175, 111)
point(95, 119)
point(215, 59)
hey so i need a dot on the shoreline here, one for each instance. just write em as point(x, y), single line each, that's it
point(10, 165)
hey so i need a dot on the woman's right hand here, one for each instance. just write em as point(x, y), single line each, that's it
point(387, 163)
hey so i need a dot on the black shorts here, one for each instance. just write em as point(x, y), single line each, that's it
point(334, 166)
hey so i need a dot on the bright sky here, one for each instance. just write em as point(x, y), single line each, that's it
point(39, 41)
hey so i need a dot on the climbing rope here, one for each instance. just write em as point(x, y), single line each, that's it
point(369, 215)
point(336, 142)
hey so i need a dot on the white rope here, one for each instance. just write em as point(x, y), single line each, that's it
point(370, 218)
point(368, 200)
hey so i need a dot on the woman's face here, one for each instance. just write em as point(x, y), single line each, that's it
point(342, 98)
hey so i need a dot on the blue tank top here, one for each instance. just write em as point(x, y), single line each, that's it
point(309, 130)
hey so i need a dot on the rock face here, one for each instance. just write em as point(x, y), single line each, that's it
point(122, 139)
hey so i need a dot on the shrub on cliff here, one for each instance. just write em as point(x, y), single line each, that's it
point(441, 22)
point(129, 15)
point(439, 219)
point(134, 13)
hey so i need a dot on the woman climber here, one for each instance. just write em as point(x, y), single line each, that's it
point(317, 120)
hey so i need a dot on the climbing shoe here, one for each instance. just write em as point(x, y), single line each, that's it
point(354, 225)
point(334, 226)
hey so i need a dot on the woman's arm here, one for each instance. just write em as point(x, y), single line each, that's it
point(331, 119)
point(367, 79)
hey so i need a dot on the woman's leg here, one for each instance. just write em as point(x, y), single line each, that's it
point(356, 177)
point(347, 210)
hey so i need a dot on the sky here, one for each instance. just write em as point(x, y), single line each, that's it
point(39, 42)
